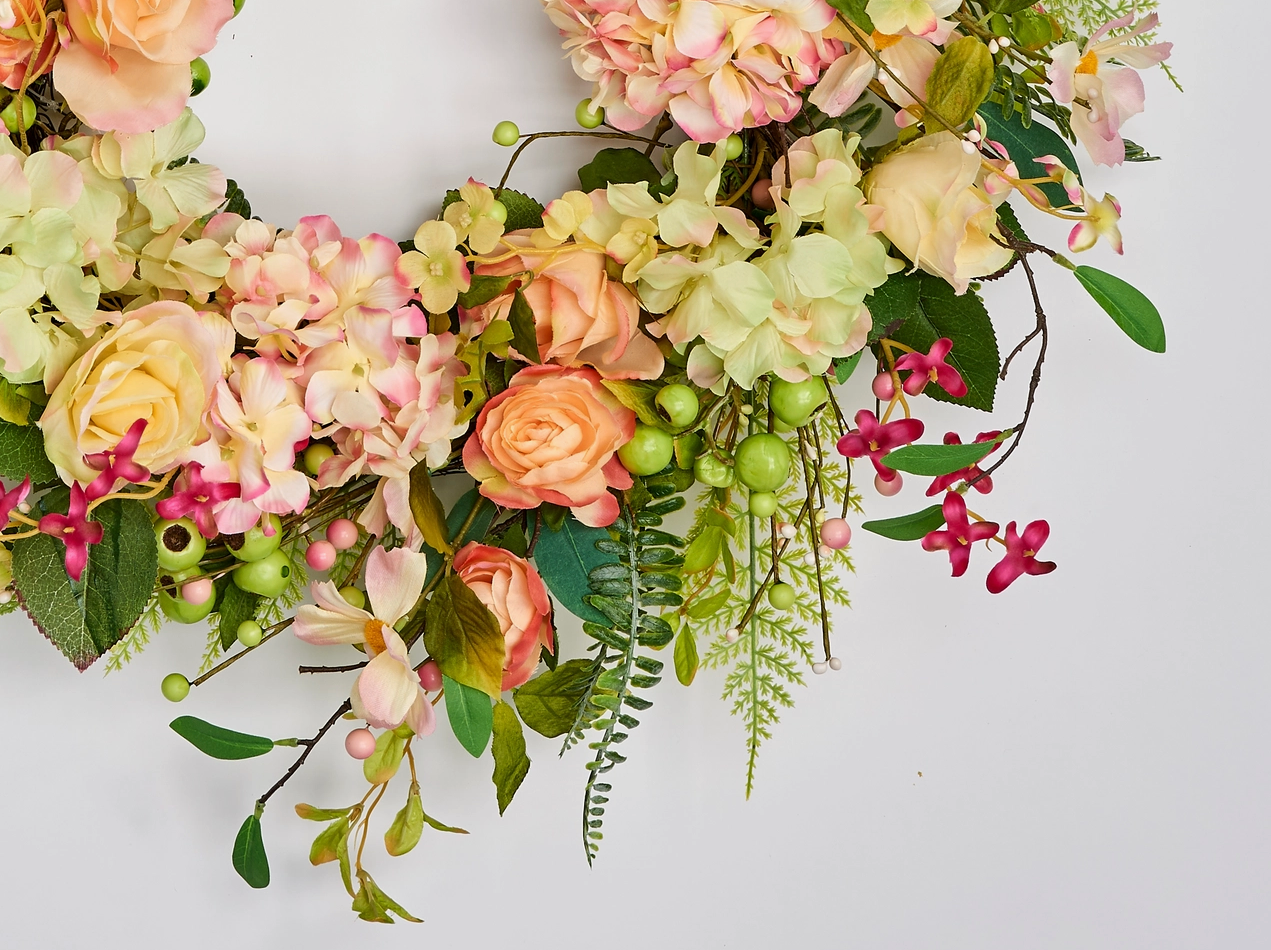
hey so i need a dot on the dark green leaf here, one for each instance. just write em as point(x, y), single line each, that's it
point(854, 10)
point(250, 860)
point(471, 716)
point(621, 165)
point(524, 334)
point(511, 764)
point(1127, 305)
point(483, 288)
point(550, 703)
point(464, 637)
point(87, 618)
point(933, 460)
point(220, 743)
point(565, 559)
point(1027, 144)
point(908, 527)
point(236, 607)
point(844, 368)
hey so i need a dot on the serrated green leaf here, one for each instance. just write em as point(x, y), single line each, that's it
point(470, 714)
point(565, 560)
point(523, 211)
point(1126, 305)
point(550, 703)
point(220, 743)
point(934, 460)
point(22, 454)
point(908, 527)
point(1027, 144)
point(464, 637)
point(511, 764)
point(249, 858)
point(483, 288)
point(619, 165)
point(236, 607)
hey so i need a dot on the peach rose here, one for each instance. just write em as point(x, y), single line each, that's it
point(515, 594)
point(162, 364)
point(127, 67)
point(551, 437)
point(583, 318)
point(937, 211)
point(22, 22)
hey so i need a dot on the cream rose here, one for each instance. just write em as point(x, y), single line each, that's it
point(127, 67)
point(517, 597)
point(162, 364)
point(551, 437)
point(936, 210)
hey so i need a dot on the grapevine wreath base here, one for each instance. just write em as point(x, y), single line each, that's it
point(208, 419)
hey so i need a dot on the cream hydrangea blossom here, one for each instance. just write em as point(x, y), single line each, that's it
point(476, 217)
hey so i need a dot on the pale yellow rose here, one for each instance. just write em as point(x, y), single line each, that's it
point(936, 211)
point(162, 364)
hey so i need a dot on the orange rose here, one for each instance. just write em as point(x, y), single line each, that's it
point(551, 436)
point(517, 597)
point(581, 316)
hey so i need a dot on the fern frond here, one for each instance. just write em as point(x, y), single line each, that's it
point(136, 639)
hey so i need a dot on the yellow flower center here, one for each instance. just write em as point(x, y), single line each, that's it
point(373, 633)
point(884, 40)
point(1089, 65)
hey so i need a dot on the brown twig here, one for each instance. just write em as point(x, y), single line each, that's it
point(309, 746)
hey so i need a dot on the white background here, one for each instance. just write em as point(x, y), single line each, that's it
point(1092, 745)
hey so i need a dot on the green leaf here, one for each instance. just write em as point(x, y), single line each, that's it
point(1027, 144)
point(483, 288)
point(326, 847)
point(22, 454)
point(844, 368)
point(438, 826)
point(249, 857)
point(566, 558)
point(704, 552)
point(620, 165)
point(384, 762)
point(1127, 305)
point(220, 743)
point(236, 607)
point(960, 80)
point(524, 333)
point(309, 813)
point(85, 619)
point(374, 905)
point(550, 703)
point(458, 516)
point(511, 764)
point(426, 508)
point(14, 407)
point(854, 10)
point(236, 200)
point(405, 831)
point(933, 460)
point(909, 527)
point(1008, 6)
point(686, 658)
point(928, 310)
point(471, 716)
point(464, 637)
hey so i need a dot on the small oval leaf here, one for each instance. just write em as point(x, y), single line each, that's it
point(471, 715)
point(220, 743)
point(909, 527)
point(936, 460)
point(250, 860)
point(1126, 305)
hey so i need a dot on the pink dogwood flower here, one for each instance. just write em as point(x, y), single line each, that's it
point(931, 368)
point(1021, 556)
point(958, 534)
point(874, 439)
point(75, 531)
point(197, 498)
point(11, 499)
point(970, 474)
point(117, 464)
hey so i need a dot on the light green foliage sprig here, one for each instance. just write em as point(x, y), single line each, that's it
point(137, 639)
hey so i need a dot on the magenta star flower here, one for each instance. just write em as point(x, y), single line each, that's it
point(197, 498)
point(117, 464)
point(958, 535)
point(75, 531)
point(874, 439)
point(12, 499)
point(945, 482)
point(932, 368)
point(1021, 556)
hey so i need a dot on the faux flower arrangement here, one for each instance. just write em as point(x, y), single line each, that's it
point(206, 418)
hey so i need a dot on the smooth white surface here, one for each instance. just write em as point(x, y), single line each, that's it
point(1092, 744)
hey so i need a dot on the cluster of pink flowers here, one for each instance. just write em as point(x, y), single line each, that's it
point(716, 66)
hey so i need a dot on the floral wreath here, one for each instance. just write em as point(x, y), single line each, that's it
point(202, 412)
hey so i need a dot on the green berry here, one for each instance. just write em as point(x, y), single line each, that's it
point(648, 452)
point(200, 76)
point(763, 461)
point(506, 133)
point(781, 596)
point(498, 211)
point(10, 114)
point(763, 504)
point(180, 544)
point(353, 597)
point(175, 687)
point(796, 403)
point(712, 471)
point(268, 576)
point(250, 633)
point(175, 606)
point(256, 544)
point(315, 455)
point(678, 404)
point(588, 118)
point(733, 147)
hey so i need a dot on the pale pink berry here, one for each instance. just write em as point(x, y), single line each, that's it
point(761, 194)
point(836, 533)
point(888, 488)
point(320, 555)
point(360, 744)
point(197, 592)
point(342, 533)
point(430, 676)
point(884, 387)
